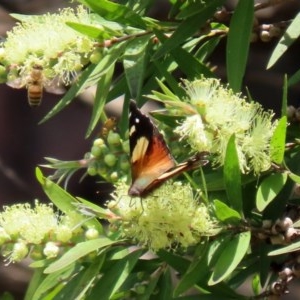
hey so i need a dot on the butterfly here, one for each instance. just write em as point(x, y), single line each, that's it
point(151, 160)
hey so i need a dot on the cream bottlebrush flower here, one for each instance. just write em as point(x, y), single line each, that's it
point(222, 114)
point(32, 225)
point(47, 41)
point(170, 216)
point(35, 225)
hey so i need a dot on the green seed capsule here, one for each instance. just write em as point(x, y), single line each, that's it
point(113, 139)
point(125, 146)
point(92, 171)
point(110, 159)
point(124, 163)
point(96, 56)
point(96, 151)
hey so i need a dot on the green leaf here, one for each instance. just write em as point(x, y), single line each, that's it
point(64, 201)
point(288, 249)
point(77, 287)
point(49, 282)
point(89, 77)
point(188, 27)
point(197, 271)
point(114, 11)
point(230, 257)
point(232, 176)
point(134, 64)
point(295, 78)
point(34, 283)
point(277, 144)
point(190, 65)
point(75, 90)
point(284, 97)
point(224, 213)
point(90, 31)
point(115, 276)
point(103, 87)
point(289, 37)
point(269, 189)
point(238, 43)
point(78, 251)
point(294, 177)
point(177, 262)
point(164, 286)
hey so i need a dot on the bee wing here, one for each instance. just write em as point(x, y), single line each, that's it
point(17, 83)
point(54, 86)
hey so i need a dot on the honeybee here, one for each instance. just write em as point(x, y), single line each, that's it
point(35, 83)
point(35, 86)
point(108, 125)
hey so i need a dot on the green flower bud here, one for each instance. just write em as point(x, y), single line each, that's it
point(140, 288)
point(113, 139)
point(63, 233)
point(98, 142)
point(124, 163)
point(104, 149)
point(114, 176)
point(96, 151)
point(125, 146)
point(19, 252)
point(51, 250)
point(92, 171)
point(102, 169)
point(36, 253)
point(110, 159)
point(91, 234)
point(96, 56)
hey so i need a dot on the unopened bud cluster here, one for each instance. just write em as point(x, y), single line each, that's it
point(290, 271)
point(109, 157)
point(39, 232)
point(280, 232)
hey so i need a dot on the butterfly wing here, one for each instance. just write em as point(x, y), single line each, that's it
point(151, 160)
point(150, 156)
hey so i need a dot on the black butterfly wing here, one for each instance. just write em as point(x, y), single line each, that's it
point(151, 161)
point(150, 156)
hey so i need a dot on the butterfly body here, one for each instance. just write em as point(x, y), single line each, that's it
point(151, 160)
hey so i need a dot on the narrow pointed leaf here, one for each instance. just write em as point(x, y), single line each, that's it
point(284, 97)
point(230, 257)
point(103, 87)
point(134, 64)
point(277, 145)
point(77, 287)
point(269, 189)
point(113, 278)
point(289, 37)
point(78, 251)
point(232, 176)
point(89, 77)
point(114, 11)
point(188, 27)
point(295, 78)
point(288, 249)
point(238, 43)
point(52, 280)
